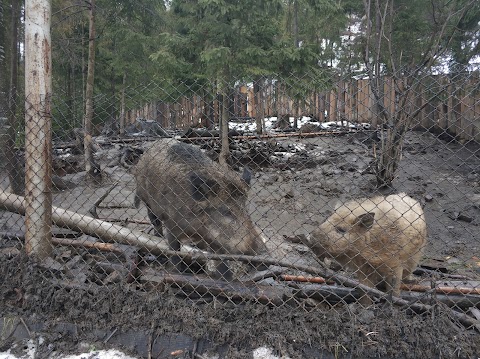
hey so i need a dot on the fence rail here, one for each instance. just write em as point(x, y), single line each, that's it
point(454, 109)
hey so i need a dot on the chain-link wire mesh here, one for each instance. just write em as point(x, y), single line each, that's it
point(331, 202)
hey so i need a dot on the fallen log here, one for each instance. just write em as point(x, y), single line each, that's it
point(441, 289)
point(334, 294)
point(229, 290)
point(464, 302)
point(269, 136)
point(299, 278)
point(406, 287)
point(106, 231)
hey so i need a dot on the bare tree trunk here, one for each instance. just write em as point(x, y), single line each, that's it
point(4, 59)
point(259, 105)
point(70, 89)
point(38, 139)
point(93, 172)
point(225, 150)
point(296, 113)
point(15, 164)
point(122, 106)
point(295, 24)
point(388, 159)
point(406, 78)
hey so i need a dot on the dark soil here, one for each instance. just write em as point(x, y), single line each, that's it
point(286, 200)
point(236, 329)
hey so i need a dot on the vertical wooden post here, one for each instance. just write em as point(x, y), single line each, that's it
point(476, 109)
point(333, 104)
point(362, 101)
point(466, 111)
point(122, 105)
point(38, 135)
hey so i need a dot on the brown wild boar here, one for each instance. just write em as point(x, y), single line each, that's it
point(382, 239)
point(196, 200)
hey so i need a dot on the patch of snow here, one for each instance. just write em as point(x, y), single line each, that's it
point(266, 353)
point(30, 348)
point(100, 354)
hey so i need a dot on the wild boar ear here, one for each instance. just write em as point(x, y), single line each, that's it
point(247, 175)
point(366, 220)
point(202, 188)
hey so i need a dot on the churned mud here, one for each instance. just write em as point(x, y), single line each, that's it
point(289, 197)
point(71, 317)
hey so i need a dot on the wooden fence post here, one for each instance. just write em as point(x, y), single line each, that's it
point(38, 135)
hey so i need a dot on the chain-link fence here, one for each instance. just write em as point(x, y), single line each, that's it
point(335, 223)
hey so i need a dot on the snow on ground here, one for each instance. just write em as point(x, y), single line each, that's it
point(30, 353)
point(100, 354)
point(269, 122)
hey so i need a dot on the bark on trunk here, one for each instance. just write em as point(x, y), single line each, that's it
point(15, 169)
point(225, 150)
point(38, 135)
point(122, 106)
point(92, 169)
point(259, 109)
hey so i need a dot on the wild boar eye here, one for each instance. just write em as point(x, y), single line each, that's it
point(340, 229)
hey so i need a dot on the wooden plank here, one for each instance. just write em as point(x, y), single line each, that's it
point(363, 101)
point(250, 102)
point(476, 110)
point(321, 107)
point(332, 113)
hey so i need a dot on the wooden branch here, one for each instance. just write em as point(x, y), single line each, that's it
point(405, 287)
point(440, 289)
point(299, 278)
point(126, 221)
point(230, 290)
point(14, 236)
point(334, 294)
point(246, 137)
point(63, 146)
point(329, 293)
point(108, 232)
point(261, 137)
point(127, 140)
point(115, 206)
point(93, 210)
point(106, 247)
point(130, 253)
point(431, 272)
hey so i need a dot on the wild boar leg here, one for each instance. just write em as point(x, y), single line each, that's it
point(366, 276)
point(174, 244)
point(156, 222)
point(393, 281)
point(409, 266)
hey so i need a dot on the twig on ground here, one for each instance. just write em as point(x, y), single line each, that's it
point(443, 290)
point(93, 210)
point(110, 336)
point(26, 327)
point(126, 221)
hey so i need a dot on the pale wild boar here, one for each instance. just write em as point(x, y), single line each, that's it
point(381, 239)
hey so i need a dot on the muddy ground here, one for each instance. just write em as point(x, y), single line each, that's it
point(289, 197)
